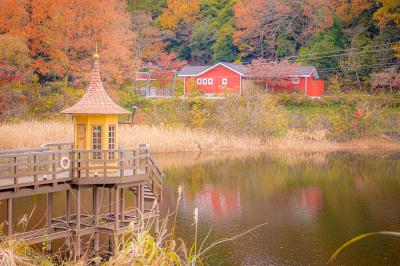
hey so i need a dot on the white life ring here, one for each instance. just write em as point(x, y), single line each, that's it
point(65, 163)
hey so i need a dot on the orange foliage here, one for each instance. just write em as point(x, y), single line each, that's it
point(148, 44)
point(348, 10)
point(387, 12)
point(87, 22)
point(260, 22)
point(61, 34)
point(179, 11)
point(35, 21)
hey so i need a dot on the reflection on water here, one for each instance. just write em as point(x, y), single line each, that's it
point(313, 202)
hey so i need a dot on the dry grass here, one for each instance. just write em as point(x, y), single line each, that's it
point(32, 134)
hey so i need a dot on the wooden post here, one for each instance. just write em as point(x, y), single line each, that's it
point(121, 162)
point(68, 206)
point(48, 223)
point(96, 211)
point(116, 207)
point(9, 217)
point(78, 223)
point(87, 159)
point(122, 205)
point(110, 203)
point(54, 169)
point(140, 199)
point(15, 174)
point(68, 214)
point(137, 202)
point(136, 161)
point(157, 221)
point(105, 163)
point(35, 177)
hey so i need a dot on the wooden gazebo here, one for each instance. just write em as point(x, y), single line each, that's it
point(93, 163)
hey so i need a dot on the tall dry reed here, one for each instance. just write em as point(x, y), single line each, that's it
point(32, 134)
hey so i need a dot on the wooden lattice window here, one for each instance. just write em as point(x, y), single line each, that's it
point(111, 141)
point(96, 141)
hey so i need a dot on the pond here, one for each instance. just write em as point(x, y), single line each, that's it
point(312, 202)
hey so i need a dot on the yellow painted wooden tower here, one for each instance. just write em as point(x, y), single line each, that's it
point(95, 116)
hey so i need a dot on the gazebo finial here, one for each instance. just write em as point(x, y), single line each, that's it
point(96, 56)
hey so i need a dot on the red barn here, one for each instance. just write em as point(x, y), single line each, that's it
point(213, 80)
point(304, 79)
point(228, 77)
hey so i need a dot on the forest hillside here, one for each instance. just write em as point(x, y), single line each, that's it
point(46, 46)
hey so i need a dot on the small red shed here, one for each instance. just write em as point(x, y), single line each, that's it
point(304, 79)
point(228, 77)
point(213, 80)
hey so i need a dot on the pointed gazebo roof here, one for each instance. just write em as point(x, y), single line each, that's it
point(96, 99)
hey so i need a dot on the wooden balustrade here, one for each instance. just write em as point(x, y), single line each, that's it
point(58, 167)
point(58, 162)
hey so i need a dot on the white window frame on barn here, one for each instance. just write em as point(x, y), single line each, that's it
point(198, 81)
point(224, 81)
point(295, 80)
point(210, 81)
point(204, 81)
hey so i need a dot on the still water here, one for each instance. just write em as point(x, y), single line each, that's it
point(312, 202)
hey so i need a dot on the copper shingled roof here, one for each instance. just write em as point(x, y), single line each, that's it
point(96, 99)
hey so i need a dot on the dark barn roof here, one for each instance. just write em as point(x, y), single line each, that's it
point(302, 71)
point(193, 71)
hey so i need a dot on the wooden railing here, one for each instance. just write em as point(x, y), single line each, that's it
point(33, 167)
point(156, 177)
point(109, 163)
point(58, 162)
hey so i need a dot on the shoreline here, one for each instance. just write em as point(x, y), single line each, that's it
point(164, 140)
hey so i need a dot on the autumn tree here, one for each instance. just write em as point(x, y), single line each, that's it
point(167, 66)
point(261, 23)
point(386, 79)
point(36, 21)
point(14, 59)
point(179, 11)
point(389, 13)
point(61, 35)
point(273, 73)
point(349, 10)
point(154, 8)
point(104, 22)
point(148, 44)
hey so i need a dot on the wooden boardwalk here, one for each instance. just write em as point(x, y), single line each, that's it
point(58, 167)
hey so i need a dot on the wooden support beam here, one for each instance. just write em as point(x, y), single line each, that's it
point(96, 212)
point(48, 223)
point(110, 204)
point(116, 207)
point(68, 217)
point(9, 217)
point(122, 204)
point(157, 220)
point(78, 223)
point(68, 205)
point(137, 203)
point(141, 198)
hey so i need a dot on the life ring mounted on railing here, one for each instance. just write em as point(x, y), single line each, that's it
point(65, 163)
